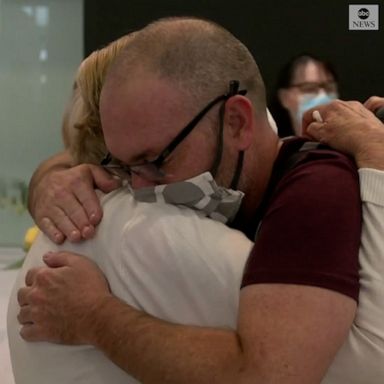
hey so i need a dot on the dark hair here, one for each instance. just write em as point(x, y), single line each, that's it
point(284, 80)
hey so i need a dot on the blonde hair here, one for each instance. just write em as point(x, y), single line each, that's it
point(200, 57)
point(82, 132)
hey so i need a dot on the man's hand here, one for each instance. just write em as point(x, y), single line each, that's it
point(58, 302)
point(63, 202)
point(351, 128)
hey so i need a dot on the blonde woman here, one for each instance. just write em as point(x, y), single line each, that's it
point(84, 144)
point(81, 128)
point(82, 133)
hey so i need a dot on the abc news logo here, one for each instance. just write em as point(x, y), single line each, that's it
point(364, 17)
point(363, 13)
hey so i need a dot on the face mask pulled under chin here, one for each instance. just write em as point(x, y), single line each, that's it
point(309, 100)
point(200, 193)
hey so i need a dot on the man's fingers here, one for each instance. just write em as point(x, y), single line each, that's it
point(22, 295)
point(30, 276)
point(26, 332)
point(80, 205)
point(59, 259)
point(50, 229)
point(90, 207)
point(32, 332)
point(66, 226)
point(104, 180)
point(24, 316)
point(69, 215)
point(66, 204)
point(65, 219)
point(57, 297)
point(73, 224)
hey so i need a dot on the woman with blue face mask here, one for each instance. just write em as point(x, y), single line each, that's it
point(305, 82)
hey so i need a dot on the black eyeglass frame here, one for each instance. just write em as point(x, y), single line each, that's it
point(156, 164)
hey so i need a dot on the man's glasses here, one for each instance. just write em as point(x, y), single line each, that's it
point(151, 170)
point(315, 87)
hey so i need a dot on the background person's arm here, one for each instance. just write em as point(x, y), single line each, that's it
point(62, 198)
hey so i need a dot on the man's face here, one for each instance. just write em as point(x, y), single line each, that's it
point(141, 118)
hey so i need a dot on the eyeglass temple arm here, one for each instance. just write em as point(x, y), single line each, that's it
point(233, 90)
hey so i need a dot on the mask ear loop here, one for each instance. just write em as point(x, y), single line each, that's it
point(239, 168)
point(233, 90)
point(220, 139)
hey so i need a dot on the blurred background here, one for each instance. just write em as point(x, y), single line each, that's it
point(41, 44)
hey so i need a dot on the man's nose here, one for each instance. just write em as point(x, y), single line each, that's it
point(138, 181)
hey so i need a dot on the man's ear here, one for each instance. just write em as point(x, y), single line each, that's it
point(239, 121)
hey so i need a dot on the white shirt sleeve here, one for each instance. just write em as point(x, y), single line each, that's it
point(372, 188)
point(360, 360)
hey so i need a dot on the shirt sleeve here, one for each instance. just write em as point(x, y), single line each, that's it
point(360, 360)
point(372, 186)
point(310, 233)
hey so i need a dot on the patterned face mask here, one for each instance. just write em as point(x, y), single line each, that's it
point(200, 193)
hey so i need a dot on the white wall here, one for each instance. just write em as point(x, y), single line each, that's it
point(41, 45)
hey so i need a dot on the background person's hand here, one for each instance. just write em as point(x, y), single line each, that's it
point(350, 127)
point(58, 301)
point(64, 203)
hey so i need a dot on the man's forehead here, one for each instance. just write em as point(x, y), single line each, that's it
point(141, 116)
point(142, 94)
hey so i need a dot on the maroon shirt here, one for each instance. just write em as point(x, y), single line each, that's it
point(310, 230)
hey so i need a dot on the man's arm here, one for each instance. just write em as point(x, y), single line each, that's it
point(286, 333)
point(283, 337)
point(62, 199)
point(351, 128)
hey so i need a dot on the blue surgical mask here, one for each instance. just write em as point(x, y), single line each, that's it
point(310, 100)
